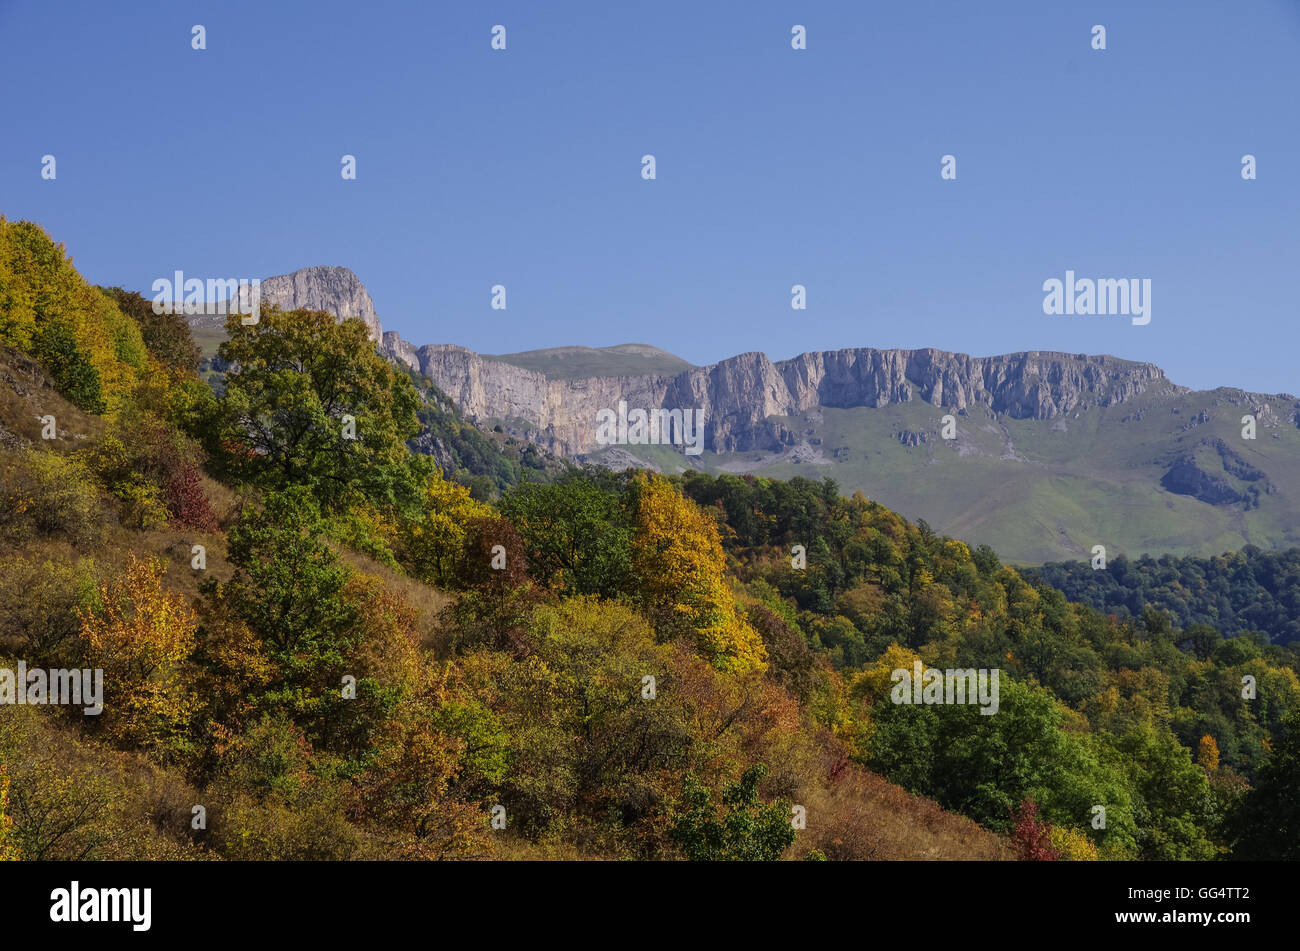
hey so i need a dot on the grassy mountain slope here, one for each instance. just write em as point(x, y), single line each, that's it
point(1049, 490)
point(575, 363)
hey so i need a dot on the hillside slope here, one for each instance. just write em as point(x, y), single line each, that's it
point(580, 363)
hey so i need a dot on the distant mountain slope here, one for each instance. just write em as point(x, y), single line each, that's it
point(1238, 592)
point(1054, 453)
point(1164, 472)
point(575, 363)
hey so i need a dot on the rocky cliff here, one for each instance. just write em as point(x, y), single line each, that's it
point(333, 289)
point(738, 395)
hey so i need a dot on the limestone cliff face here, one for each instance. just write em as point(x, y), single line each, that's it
point(333, 289)
point(401, 351)
point(739, 395)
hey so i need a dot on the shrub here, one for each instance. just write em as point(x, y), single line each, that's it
point(141, 638)
point(153, 469)
point(186, 501)
point(46, 494)
point(76, 801)
point(749, 831)
point(38, 608)
point(143, 506)
point(55, 346)
point(1071, 845)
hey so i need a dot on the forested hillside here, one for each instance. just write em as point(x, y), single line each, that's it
point(1137, 715)
point(318, 645)
point(1243, 593)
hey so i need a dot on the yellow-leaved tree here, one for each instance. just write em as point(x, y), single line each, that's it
point(680, 569)
point(141, 639)
point(1071, 845)
point(8, 848)
point(94, 353)
point(434, 542)
point(1207, 754)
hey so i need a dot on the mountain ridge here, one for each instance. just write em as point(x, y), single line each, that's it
point(740, 394)
point(1047, 454)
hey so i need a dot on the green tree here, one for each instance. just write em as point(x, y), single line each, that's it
point(576, 532)
point(1267, 824)
point(166, 336)
point(745, 829)
point(297, 375)
point(55, 346)
point(289, 589)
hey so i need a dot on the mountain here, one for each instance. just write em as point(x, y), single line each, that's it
point(744, 397)
point(333, 289)
point(1053, 453)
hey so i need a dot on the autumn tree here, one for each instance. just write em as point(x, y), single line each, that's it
point(406, 791)
point(93, 351)
point(432, 541)
point(680, 574)
point(1031, 836)
point(1207, 754)
point(141, 639)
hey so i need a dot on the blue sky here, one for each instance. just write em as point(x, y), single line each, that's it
point(775, 167)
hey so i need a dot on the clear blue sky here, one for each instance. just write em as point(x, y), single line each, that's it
point(775, 167)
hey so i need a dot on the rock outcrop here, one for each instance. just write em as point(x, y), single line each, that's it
point(401, 351)
point(741, 394)
point(742, 397)
point(333, 289)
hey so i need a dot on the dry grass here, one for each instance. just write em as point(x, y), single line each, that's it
point(859, 816)
point(427, 601)
point(26, 394)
